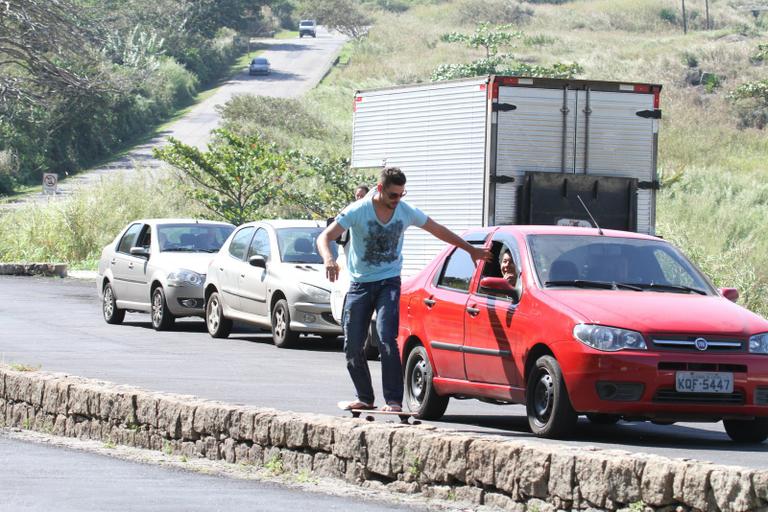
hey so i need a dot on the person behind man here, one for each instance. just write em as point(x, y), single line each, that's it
point(361, 191)
point(374, 260)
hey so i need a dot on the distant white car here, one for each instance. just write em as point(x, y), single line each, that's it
point(158, 266)
point(307, 28)
point(269, 274)
point(259, 66)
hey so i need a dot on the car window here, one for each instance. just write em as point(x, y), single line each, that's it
point(299, 245)
point(260, 244)
point(238, 247)
point(457, 272)
point(493, 268)
point(259, 61)
point(129, 239)
point(145, 237)
point(192, 237)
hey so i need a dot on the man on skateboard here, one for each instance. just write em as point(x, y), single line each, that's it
point(376, 225)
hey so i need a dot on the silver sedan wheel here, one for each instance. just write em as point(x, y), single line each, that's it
point(109, 303)
point(157, 308)
point(213, 314)
point(280, 324)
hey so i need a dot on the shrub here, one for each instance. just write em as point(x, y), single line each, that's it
point(248, 114)
point(669, 15)
point(750, 103)
point(9, 168)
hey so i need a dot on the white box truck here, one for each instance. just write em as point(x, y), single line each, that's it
point(509, 150)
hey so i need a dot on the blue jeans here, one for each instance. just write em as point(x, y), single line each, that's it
point(362, 300)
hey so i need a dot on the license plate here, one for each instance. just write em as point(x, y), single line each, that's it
point(704, 382)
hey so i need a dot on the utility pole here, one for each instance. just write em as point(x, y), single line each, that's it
point(685, 20)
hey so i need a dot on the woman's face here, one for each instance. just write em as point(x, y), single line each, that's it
point(507, 265)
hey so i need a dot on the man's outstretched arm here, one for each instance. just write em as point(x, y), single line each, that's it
point(449, 237)
point(332, 232)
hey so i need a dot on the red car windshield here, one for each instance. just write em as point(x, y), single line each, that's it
point(614, 263)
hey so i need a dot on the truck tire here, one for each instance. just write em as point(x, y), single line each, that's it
point(550, 413)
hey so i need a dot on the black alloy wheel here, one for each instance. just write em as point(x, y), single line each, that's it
point(550, 413)
point(420, 394)
point(112, 314)
point(162, 319)
point(217, 324)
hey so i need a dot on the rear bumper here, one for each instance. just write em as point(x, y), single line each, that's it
point(647, 384)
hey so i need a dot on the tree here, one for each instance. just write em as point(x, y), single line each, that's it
point(46, 51)
point(494, 61)
point(345, 16)
point(236, 179)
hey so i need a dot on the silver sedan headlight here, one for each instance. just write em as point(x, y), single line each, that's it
point(183, 277)
point(609, 339)
point(315, 293)
point(758, 344)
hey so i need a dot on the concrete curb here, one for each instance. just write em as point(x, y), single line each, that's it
point(486, 470)
point(33, 269)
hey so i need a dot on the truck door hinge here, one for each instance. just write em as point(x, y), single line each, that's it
point(649, 185)
point(503, 179)
point(649, 114)
point(503, 107)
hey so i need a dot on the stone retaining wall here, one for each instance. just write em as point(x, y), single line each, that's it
point(33, 269)
point(480, 469)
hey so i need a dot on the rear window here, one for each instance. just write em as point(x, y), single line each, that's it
point(305, 23)
point(260, 60)
point(197, 237)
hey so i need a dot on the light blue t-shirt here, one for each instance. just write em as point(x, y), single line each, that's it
point(374, 251)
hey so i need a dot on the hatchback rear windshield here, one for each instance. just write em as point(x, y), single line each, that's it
point(563, 260)
point(260, 60)
point(192, 237)
point(307, 22)
point(299, 245)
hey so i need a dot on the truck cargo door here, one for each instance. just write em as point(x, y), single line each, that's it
point(616, 136)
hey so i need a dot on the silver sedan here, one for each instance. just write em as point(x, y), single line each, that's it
point(269, 274)
point(158, 266)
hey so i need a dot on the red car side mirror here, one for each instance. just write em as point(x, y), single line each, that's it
point(497, 284)
point(732, 294)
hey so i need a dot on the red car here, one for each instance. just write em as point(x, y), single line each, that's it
point(610, 324)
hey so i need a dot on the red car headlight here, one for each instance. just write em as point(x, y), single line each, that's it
point(609, 339)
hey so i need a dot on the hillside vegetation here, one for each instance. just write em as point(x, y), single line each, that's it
point(713, 148)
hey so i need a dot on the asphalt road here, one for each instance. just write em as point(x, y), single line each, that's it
point(297, 66)
point(57, 324)
point(42, 478)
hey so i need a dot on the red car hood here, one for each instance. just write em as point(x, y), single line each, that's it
point(659, 312)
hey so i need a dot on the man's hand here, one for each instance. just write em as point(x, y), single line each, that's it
point(478, 253)
point(331, 270)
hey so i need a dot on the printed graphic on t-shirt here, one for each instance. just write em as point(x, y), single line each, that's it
point(381, 242)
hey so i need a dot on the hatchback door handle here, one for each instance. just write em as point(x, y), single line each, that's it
point(130, 265)
point(114, 261)
point(430, 302)
point(473, 311)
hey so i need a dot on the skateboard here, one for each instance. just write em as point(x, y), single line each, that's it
point(370, 414)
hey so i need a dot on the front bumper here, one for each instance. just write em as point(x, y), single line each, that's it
point(313, 317)
point(185, 300)
point(645, 384)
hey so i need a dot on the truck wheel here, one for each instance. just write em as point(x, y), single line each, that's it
point(162, 319)
point(282, 335)
point(420, 394)
point(112, 314)
point(218, 325)
point(747, 431)
point(603, 419)
point(550, 413)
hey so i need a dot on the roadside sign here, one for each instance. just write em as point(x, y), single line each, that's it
point(50, 181)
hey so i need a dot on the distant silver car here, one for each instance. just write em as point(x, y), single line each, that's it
point(158, 266)
point(269, 274)
point(259, 66)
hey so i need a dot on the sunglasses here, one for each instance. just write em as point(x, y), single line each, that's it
point(395, 195)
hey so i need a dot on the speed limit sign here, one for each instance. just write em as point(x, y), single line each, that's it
point(50, 180)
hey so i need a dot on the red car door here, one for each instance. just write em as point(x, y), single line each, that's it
point(494, 336)
point(443, 309)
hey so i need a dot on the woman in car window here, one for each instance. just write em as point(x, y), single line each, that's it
point(508, 268)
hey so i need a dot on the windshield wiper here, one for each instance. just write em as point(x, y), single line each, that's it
point(606, 285)
point(180, 249)
point(669, 287)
